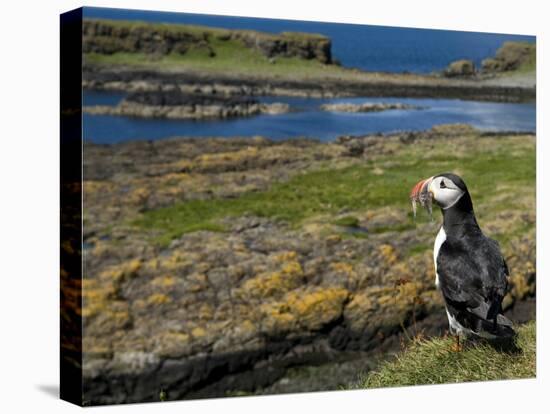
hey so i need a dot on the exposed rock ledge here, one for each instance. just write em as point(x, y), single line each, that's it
point(176, 105)
point(366, 107)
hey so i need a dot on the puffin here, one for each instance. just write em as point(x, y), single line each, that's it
point(470, 272)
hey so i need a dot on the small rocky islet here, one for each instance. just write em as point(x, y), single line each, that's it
point(367, 107)
point(510, 57)
point(174, 104)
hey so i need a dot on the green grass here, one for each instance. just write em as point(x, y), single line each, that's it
point(393, 227)
point(434, 362)
point(419, 248)
point(231, 56)
point(355, 188)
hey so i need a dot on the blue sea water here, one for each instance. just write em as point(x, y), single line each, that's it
point(308, 120)
point(373, 48)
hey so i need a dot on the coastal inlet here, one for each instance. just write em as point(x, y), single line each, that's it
point(109, 119)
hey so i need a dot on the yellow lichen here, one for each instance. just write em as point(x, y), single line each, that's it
point(285, 256)
point(293, 268)
point(341, 267)
point(96, 297)
point(277, 317)
point(269, 284)
point(315, 309)
point(198, 332)
point(91, 187)
point(157, 299)
point(214, 159)
point(164, 282)
point(122, 271)
point(388, 253)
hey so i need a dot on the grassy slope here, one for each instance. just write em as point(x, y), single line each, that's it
point(229, 54)
point(433, 362)
point(380, 182)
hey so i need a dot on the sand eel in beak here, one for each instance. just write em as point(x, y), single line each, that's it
point(470, 270)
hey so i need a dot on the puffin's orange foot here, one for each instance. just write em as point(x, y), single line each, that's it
point(457, 347)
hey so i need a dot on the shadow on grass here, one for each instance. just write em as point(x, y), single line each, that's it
point(506, 345)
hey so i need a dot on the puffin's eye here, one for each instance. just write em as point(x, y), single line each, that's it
point(442, 184)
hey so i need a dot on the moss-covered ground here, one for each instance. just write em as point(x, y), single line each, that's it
point(434, 361)
point(499, 177)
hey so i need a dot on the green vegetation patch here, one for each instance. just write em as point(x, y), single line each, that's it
point(359, 188)
point(229, 55)
point(435, 362)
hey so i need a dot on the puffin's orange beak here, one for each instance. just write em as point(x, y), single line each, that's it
point(422, 194)
point(420, 191)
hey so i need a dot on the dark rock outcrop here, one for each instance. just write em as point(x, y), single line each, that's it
point(173, 104)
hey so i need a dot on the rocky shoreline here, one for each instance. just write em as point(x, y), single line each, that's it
point(234, 305)
point(130, 79)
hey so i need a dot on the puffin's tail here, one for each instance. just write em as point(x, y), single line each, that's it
point(499, 327)
point(477, 321)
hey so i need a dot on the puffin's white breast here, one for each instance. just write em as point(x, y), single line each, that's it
point(439, 240)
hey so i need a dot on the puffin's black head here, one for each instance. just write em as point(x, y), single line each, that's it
point(447, 190)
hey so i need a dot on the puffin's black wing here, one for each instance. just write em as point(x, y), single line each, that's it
point(473, 280)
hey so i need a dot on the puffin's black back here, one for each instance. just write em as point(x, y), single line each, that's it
point(472, 272)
